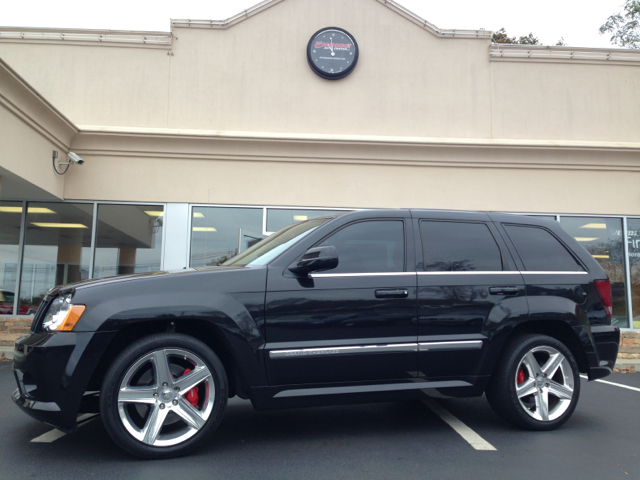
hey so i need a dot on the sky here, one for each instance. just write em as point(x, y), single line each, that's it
point(577, 21)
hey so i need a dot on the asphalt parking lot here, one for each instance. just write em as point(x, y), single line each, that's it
point(389, 440)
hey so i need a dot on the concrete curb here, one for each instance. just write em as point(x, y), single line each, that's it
point(6, 353)
point(623, 365)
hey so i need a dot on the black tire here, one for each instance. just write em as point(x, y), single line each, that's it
point(136, 367)
point(509, 398)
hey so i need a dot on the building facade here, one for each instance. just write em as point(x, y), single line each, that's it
point(200, 141)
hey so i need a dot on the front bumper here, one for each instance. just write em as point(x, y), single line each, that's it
point(52, 371)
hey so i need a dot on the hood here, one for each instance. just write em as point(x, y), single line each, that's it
point(138, 276)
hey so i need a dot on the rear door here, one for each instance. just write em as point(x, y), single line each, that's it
point(468, 284)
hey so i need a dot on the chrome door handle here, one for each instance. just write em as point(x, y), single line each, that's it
point(503, 290)
point(392, 293)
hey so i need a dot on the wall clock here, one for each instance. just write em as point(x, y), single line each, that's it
point(332, 53)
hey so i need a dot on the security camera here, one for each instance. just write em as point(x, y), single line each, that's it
point(75, 158)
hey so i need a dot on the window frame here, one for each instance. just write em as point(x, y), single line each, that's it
point(563, 244)
point(486, 224)
point(381, 219)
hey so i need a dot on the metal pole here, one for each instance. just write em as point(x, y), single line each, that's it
point(94, 234)
point(23, 228)
point(627, 265)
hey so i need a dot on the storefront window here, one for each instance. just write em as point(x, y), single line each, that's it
point(633, 244)
point(279, 218)
point(129, 239)
point(602, 238)
point(10, 217)
point(220, 233)
point(56, 249)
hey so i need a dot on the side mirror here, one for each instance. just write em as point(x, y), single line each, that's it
point(318, 258)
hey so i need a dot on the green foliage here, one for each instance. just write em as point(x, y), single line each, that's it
point(624, 28)
point(529, 40)
point(501, 36)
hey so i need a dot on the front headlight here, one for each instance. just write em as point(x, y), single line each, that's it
point(62, 315)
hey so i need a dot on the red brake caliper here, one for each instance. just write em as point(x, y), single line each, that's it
point(192, 395)
point(519, 379)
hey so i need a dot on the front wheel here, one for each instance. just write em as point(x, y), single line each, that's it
point(537, 384)
point(163, 396)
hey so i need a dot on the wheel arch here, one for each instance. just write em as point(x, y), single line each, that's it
point(558, 329)
point(214, 335)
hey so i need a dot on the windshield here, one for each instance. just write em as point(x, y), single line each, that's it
point(269, 248)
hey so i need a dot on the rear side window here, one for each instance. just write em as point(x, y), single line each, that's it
point(541, 251)
point(458, 246)
point(369, 247)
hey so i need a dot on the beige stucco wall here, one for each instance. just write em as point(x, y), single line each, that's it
point(96, 85)
point(30, 130)
point(253, 76)
point(350, 173)
point(423, 121)
point(565, 101)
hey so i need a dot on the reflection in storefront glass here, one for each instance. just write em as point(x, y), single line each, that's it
point(279, 218)
point(129, 239)
point(633, 244)
point(56, 249)
point(220, 233)
point(602, 238)
point(10, 216)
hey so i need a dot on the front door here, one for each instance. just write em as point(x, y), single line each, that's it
point(354, 323)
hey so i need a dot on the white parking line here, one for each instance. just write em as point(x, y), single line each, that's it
point(475, 440)
point(613, 383)
point(55, 434)
point(50, 436)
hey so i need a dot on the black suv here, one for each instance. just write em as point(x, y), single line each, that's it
point(365, 306)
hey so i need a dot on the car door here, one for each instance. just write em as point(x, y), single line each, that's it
point(468, 285)
point(354, 323)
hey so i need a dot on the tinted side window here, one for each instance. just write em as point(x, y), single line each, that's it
point(368, 247)
point(457, 246)
point(541, 251)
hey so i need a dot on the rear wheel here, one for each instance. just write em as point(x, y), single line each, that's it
point(537, 384)
point(163, 396)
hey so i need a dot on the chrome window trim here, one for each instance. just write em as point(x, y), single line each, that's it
point(554, 273)
point(312, 352)
point(462, 272)
point(472, 272)
point(371, 274)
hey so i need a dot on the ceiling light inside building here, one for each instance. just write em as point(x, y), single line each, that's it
point(299, 218)
point(586, 239)
point(204, 229)
point(58, 225)
point(154, 213)
point(600, 256)
point(198, 215)
point(595, 225)
point(30, 210)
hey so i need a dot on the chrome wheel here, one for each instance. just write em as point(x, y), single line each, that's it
point(166, 397)
point(544, 383)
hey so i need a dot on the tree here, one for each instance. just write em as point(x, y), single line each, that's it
point(501, 36)
point(624, 28)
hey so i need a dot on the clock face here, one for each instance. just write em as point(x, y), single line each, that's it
point(332, 53)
